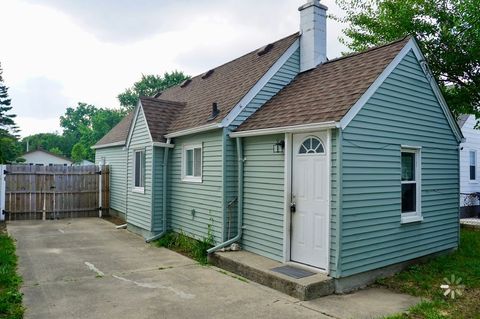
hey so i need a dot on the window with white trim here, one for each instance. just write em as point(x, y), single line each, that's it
point(138, 170)
point(192, 163)
point(473, 165)
point(411, 184)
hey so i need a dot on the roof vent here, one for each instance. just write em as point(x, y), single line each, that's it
point(265, 49)
point(185, 83)
point(207, 74)
point(215, 111)
point(157, 95)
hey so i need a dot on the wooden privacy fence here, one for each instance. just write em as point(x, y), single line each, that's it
point(50, 192)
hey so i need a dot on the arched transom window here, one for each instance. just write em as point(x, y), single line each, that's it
point(311, 145)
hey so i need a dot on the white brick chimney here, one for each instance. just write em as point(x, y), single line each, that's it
point(313, 30)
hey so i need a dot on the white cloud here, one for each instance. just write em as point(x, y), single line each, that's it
point(93, 50)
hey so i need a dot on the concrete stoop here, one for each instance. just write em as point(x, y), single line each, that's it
point(258, 269)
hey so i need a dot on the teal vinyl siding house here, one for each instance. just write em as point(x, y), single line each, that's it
point(348, 166)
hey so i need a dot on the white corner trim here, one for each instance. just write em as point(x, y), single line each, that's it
point(193, 130)
point(259, 85)
point(411, 45)
point(160, 144)
point(287, 129)
point(121, 143)
point(287, 193)
point(134, 122)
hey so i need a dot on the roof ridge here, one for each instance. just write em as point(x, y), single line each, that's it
point(162, 100)
point(237, 58)
point(350, 55)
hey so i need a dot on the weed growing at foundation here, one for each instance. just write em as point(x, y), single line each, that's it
point(185, 245)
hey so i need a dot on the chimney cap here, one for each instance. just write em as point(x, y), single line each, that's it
point(315, 3)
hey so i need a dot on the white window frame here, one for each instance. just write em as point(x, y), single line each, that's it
point(469, 164)
point(191, 178)
point(139, 189)
point(415, 216)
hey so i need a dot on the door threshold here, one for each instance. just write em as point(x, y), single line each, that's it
point(306, 267)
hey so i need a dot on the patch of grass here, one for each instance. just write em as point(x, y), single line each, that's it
point(424, 280)
point(10, 296)
point(193, 248)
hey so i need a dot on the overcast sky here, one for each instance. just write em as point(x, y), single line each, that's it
point(56, 53)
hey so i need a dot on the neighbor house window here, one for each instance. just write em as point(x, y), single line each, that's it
point(411, 184)
point(192, 163)
point(473, 165)
point(139, 170)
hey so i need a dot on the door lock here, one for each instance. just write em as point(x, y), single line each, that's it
point(293, 208)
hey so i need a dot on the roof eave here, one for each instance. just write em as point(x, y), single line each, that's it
point(194, 130)
point(120, 143)
point(302, 128)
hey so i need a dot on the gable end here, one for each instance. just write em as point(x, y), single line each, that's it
point(410, 48)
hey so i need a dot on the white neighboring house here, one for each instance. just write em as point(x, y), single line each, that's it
point(42, 157)
point(469, 166)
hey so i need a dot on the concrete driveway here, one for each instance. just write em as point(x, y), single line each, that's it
point(85, 268)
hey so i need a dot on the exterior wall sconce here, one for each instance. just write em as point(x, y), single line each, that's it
point(279, 147)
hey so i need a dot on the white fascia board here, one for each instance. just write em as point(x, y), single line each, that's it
point(132, 126)
point(438, 93)
point(259, 85)
point(194, 130)
point(121, 143)
point(287, 129)
point(375, 85)
point(160, 144)
point(411, 45)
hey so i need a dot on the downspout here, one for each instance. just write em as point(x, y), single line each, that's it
point(164, 195)
point(240, 201)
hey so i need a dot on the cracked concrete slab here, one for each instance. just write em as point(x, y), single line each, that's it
point(92, 270)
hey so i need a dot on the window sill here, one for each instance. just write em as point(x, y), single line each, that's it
point(140, 190)
point(411, 219)
point(192, 179)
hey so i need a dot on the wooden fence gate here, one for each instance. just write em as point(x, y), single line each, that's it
point(51, 192)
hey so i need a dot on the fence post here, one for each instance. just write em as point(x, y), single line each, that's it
point(100, 189)
point(2, 192)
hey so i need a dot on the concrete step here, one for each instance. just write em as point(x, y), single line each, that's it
point(258, 268)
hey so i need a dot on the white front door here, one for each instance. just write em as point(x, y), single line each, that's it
point(310, 197)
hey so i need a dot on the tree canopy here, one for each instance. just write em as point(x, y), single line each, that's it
point(149, 85)
point(448, 32)
point(9, 148)
point(85, 125)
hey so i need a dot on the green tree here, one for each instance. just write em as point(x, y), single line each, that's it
point(448, 32)
point(85, 125)
point(9, 146)
point(79, 152)
point(149, 85)
point(46, 141)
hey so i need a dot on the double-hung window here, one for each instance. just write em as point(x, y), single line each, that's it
point(473, 165)
point(411, 184)
point(192, 163)
point(139, 171)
